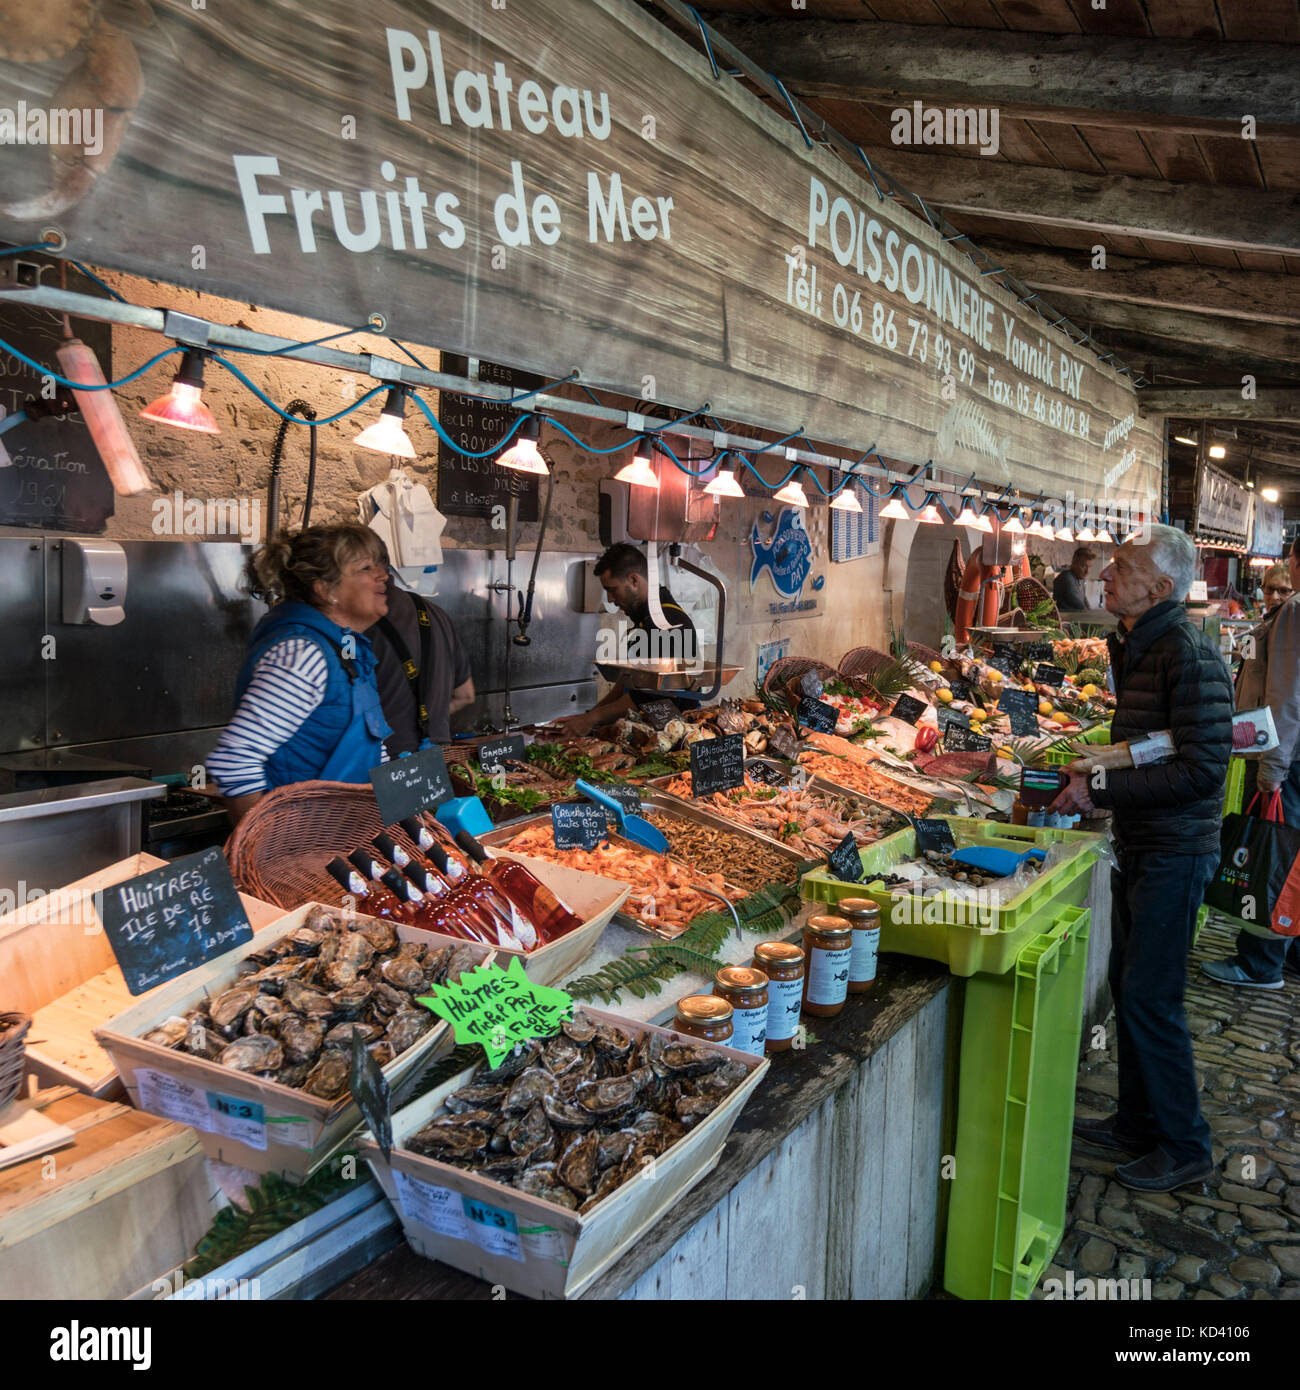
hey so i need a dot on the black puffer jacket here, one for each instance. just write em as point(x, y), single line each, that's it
point(1168, 675)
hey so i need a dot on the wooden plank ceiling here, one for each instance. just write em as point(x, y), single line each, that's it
point(1119, 127)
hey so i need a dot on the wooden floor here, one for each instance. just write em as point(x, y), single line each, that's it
point(839, 1083)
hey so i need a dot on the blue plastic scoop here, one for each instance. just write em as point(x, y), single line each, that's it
point(634, 828)
point(989, 859)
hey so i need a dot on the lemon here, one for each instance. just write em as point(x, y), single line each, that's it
point(995, 675)
point(936, 666)
point(978, 713)
point(1044, 707)
point(945, 697)
point(1061, 718)
point(1089, 690)
point(1006, 753)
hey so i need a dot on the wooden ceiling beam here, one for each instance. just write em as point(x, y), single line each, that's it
point(1178, 85)
point(1251, 295)
point(1195, 404)
point(1111, 204)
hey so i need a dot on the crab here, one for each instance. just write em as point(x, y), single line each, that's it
point(106, 78)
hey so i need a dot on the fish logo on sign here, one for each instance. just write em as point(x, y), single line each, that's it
point(787, 556)
point(969, 425)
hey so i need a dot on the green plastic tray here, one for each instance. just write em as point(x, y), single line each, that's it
point(1015, 1112)
point(1099, 733)
point(965, 946)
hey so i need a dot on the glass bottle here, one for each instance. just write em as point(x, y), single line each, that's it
point(704, 1016)
point(784, 965)
point(828, 940)
point(745, 989)
point(371, 899)
point(425, 841)
point(864, 915)
point(549, 915)
point(416, 867)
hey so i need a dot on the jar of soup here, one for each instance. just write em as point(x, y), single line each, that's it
point(864, 916)
point(704, 1016)
point(828, 940)
point(783, 963)
point(745, 989)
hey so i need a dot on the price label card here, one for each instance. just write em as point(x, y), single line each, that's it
point(816, 714)
point(438, 1208)
point(370, 1091)
point(1024, 723)
point(810, 683)
point(908, 708)
point(167, 921)
point(492, 1229)
point(960, 688)
point(657, 713)
point(414, 783)
point(499, 1008)
point(766, 773)
point(1037, 651)
point(934, 834)
point(241, 1120)
point(717, 764)
point(959, 740)
point(846, 861)
point(579, 825)
point(1010, 699)
point(1001, 659)
point(1046, 674)
point(629, 798)
point(952, 719)
point(493, 752)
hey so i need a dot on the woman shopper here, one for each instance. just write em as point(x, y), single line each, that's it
point(307, 704)
point(1270, 675)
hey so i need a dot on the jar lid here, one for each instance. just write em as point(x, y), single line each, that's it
point(858, 907)
point(778, 953)
point(703, 1008)
point(830, 924)
point(739, 979)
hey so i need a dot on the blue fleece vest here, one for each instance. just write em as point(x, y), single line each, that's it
point(343, 737)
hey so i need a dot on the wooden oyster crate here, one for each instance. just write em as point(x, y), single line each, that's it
point(525, 1243)
point(242, 1119)
point(591, 897)
point(129, 1196)
point(56, 964)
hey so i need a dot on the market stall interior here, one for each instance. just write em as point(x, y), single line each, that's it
point(834, 886)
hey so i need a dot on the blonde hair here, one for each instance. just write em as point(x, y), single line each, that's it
point(1275, 575)
point(289, 565)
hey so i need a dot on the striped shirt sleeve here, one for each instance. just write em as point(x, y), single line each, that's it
point(288, 685)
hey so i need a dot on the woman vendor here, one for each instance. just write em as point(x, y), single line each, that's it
point(307, 703)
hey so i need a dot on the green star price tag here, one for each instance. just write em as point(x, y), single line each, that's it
point(499, 1008)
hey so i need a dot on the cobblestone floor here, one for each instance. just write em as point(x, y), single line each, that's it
point(1237, 1236)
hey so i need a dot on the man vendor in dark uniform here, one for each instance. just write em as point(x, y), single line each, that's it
point(623, 574)
point(422, 670)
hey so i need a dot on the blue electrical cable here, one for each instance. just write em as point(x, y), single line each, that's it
point(451, 443)
point(284, 414)
point(79, 386)
point(90, 275)
point(35, 246)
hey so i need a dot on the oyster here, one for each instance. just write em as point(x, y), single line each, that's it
point(406, 1028)
point(605, 1184)
point(611, 1042)
point(386, 1000)
point(328, 1079)
point(579, 1029)
point(270, 979)
point(532, 1136)
point(202, 1041)
point(351, 999)
point(301, 1037)
point(171, 1032)
point(613, 1096)
point(476, 1097)
point(540, 1181)
point(324, 919)
point(255, 1052)
point(294, 1074)
point(561, 1055)
point(404, 972)
point(577, 1169)
point(462, 958)
point(302, 941)
point(691, 1059)
point(520, 1059)
point(614, 1148)
point(527, 1090)
point(341, 1034)
point(692, 1109)
point(382, 1052)
point(227, 1009)
point(303, 999)
point(381, 935)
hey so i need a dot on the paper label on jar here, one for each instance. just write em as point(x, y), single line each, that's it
point(828, 975)
point(749, 1030)
point(866, 943)
point(784, 1004)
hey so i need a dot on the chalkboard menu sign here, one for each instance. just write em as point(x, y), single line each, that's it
point(1011, 699)
point(57, 480)
point(766, 773)
point(1037, 651)
point(1045, 674)
point(717, 764)
point(167, 921)
point(908, 708)
point(845, 860)
point(1024, 723)
point(492, 751)
point(816, 714)
point(410, 784)
point(1003, 659)
point(960, 688)
point(933, 834)
point(629, 798)
point(469, 486)
point(658, 713)
point(950, 717)
point(959, 740)
point(578, 825)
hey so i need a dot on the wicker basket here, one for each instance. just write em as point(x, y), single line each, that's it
point(1031, 594)
point(13, 1055)
point(279, 850)
point(863, 662)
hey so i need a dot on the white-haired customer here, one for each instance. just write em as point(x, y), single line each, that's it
point(1167, 818)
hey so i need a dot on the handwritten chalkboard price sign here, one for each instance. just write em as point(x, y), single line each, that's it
point(908, 708)
point(578, 825)
point(414, 783)
point(845, 860)
point(167, 921)
point(959, 740)
point(492, 752)
point(1012, 699)
point(1046, 674)
point(474, 486)
point(717, 764)
point(816, 714)
point(933, 834)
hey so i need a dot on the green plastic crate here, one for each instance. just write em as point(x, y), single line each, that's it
point(964, 946)
point(1099, 733)
point(1015, 1113)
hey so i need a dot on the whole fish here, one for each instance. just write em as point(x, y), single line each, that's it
point(787, 556)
